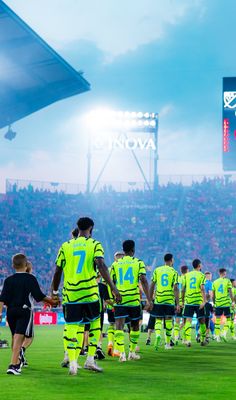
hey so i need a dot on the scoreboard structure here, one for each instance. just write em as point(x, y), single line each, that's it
point(229, 124)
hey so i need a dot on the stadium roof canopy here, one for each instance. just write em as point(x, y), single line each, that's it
point(32, 74)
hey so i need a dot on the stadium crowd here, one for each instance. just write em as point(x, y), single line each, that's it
point(198, 221)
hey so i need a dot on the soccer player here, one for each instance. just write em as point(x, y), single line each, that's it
point(194, 300)
point(223, 300)
point(111, 349)
point(78, 259)
point(179, 315)
point(208, 308)
point(126, 273)
point(17, 295)
point(165, 279)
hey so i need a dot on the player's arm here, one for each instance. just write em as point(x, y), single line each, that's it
point(56, 279)
point(231, 296)
point(203, 292)
point(145, 287)
point(151, 291)
point(183, 291)
point(176, 294)
point(99, 261)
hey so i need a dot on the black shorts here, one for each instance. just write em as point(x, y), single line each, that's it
point(162, 311)
point(111, 316)
point(83, 313)
point(151, 323)
point(133, 313)
point(21, 321)
point(222, 311)
point(189, 311)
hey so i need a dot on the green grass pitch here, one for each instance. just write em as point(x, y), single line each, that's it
point(178, 374)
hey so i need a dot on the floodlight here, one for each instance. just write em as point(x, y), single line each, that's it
point(10, 134)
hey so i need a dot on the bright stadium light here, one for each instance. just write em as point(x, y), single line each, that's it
point(104, 123)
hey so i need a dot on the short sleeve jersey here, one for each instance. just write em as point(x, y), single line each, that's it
point(76, 258)
point(165, 278)
point(221, 288)
point(126, 273)
point(193, 281)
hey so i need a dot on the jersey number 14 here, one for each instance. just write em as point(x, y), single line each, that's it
point(127, 277)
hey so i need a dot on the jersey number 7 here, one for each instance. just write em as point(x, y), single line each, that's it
point(81, 254)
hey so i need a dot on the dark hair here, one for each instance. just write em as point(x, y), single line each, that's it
point(184, 269)
point(222, 270)
point(18, 260)
point(232, 280)
point(207, 273)
point(168, 257)
point(196, 263)
point(75, 233)
point(128, 245)
point(85, 223)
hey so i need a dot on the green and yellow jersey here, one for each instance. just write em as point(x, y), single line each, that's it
point(192, 282)
point(220, 289)
point(76, 258)
point(126, 273)
point(165, 278)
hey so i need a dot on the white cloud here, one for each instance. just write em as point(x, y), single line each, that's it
point(115, 26)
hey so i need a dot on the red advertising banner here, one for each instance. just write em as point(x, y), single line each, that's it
point(45, 318)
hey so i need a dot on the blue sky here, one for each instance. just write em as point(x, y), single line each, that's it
point(162, 56)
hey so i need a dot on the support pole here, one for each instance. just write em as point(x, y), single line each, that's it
point(155, 164)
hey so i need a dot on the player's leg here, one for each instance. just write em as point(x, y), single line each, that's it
point(92, 313)
point(176, 329)
point(110, 332)
point(150, 329)
point(99, 352)
point(227, 323)
point(65, 362)
point(135, 315)
point(80, 341)
point(188, 314)
point(218, 314)
point(120, 337)
point(168, 331)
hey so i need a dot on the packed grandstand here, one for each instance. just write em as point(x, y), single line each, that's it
point(189, 221)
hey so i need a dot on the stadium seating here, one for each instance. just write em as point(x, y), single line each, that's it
point(194, 221)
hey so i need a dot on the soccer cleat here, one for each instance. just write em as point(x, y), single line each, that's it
point(22, 359)
point(168, 346)
point(73, 368)
point(110, 350)
point(217, 338)
point(116, 353)
point(188, 344)
point(204, 343)
point(157, 342)
point(148, 342)
point(99, 353)
point(65, 363)
point(172, 343)
point(14, 370)
point(133, 356)
point(92, 366)
point(122, 357)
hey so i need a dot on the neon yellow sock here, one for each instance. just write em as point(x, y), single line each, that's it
point(80, 339)
point(202, 332)
point(133, 337)
point(227, 325)
point(110, 334)
point(71, 338)
point(158, 326)
point(168, 330)
point(217, 326)
point(188, 330)
point(176, 329)
point(120, 338)
point(64, 338)
point(94, 336)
